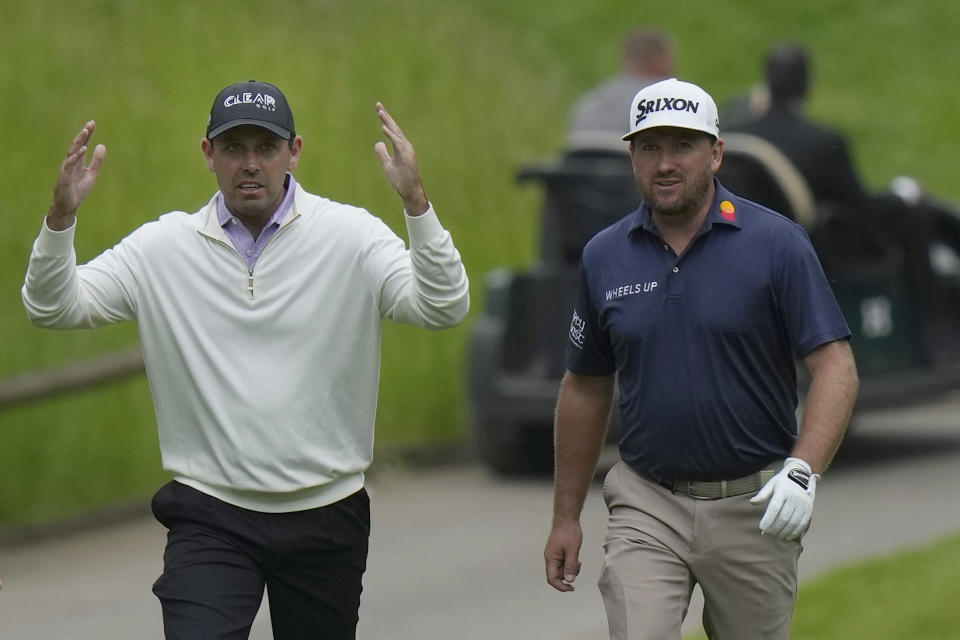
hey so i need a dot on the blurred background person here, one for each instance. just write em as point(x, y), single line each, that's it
point(819, 152)
point(745, 106)
point(597, 119)
point(899, 217)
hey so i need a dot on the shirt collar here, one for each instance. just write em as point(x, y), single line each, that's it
point(722, 211)
point(224, 215)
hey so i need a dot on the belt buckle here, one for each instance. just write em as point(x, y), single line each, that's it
point(690, 492)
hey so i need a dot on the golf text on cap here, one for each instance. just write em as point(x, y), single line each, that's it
point(260, 100)
point(645, 107)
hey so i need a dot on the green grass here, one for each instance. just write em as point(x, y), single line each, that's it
point(480, 87)
point(908, 595)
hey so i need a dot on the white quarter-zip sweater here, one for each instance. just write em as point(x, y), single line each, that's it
point(264, 383)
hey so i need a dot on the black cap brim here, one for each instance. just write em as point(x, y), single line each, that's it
point(277, 129)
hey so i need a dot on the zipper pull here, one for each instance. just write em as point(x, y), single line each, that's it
point(250, 285)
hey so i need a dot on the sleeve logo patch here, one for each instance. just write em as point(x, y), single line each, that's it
point(577, 327)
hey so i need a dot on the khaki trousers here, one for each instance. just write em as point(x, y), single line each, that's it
point(659, 545)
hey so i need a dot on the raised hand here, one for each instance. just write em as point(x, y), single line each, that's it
point(401, 168)
point(75, 180)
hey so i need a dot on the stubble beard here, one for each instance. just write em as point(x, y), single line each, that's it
point(690, 201)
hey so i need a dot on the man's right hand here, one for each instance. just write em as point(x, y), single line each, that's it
point(562, 555)
point(75, 180)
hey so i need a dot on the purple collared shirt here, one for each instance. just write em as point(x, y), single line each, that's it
point(243, 241)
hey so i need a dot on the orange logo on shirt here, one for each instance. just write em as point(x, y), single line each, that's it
point(727, 211)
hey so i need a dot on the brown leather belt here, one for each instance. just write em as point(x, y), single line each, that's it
point(716, 489)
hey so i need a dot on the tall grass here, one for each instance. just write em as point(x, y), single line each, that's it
point(480, 87)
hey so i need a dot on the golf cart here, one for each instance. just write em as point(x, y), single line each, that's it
point(515, 359)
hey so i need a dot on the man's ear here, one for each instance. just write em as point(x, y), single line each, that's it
point(295, 150)
point(717, 155)
point(207, 147)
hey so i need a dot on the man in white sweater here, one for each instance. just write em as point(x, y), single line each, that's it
point(259, 319)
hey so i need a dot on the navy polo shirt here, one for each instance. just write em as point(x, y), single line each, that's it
point(704, 344)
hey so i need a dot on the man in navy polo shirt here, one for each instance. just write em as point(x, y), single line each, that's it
point(697, 305)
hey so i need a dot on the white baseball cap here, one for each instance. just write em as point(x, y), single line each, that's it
point(673, 103)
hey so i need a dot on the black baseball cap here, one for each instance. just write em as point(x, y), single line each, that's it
point(251, 102)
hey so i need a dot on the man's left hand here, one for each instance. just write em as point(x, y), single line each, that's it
point(401, 168)
point(790, 494)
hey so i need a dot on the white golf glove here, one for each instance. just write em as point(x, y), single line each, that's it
point(791, 494)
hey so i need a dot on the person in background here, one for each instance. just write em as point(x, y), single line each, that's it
point(596, 121)
point(745, 106)
point(820, 153)
point(822, 156)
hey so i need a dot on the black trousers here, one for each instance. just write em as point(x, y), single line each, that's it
point(220, 557)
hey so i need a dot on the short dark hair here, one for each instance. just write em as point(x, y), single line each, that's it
point(788, 72)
